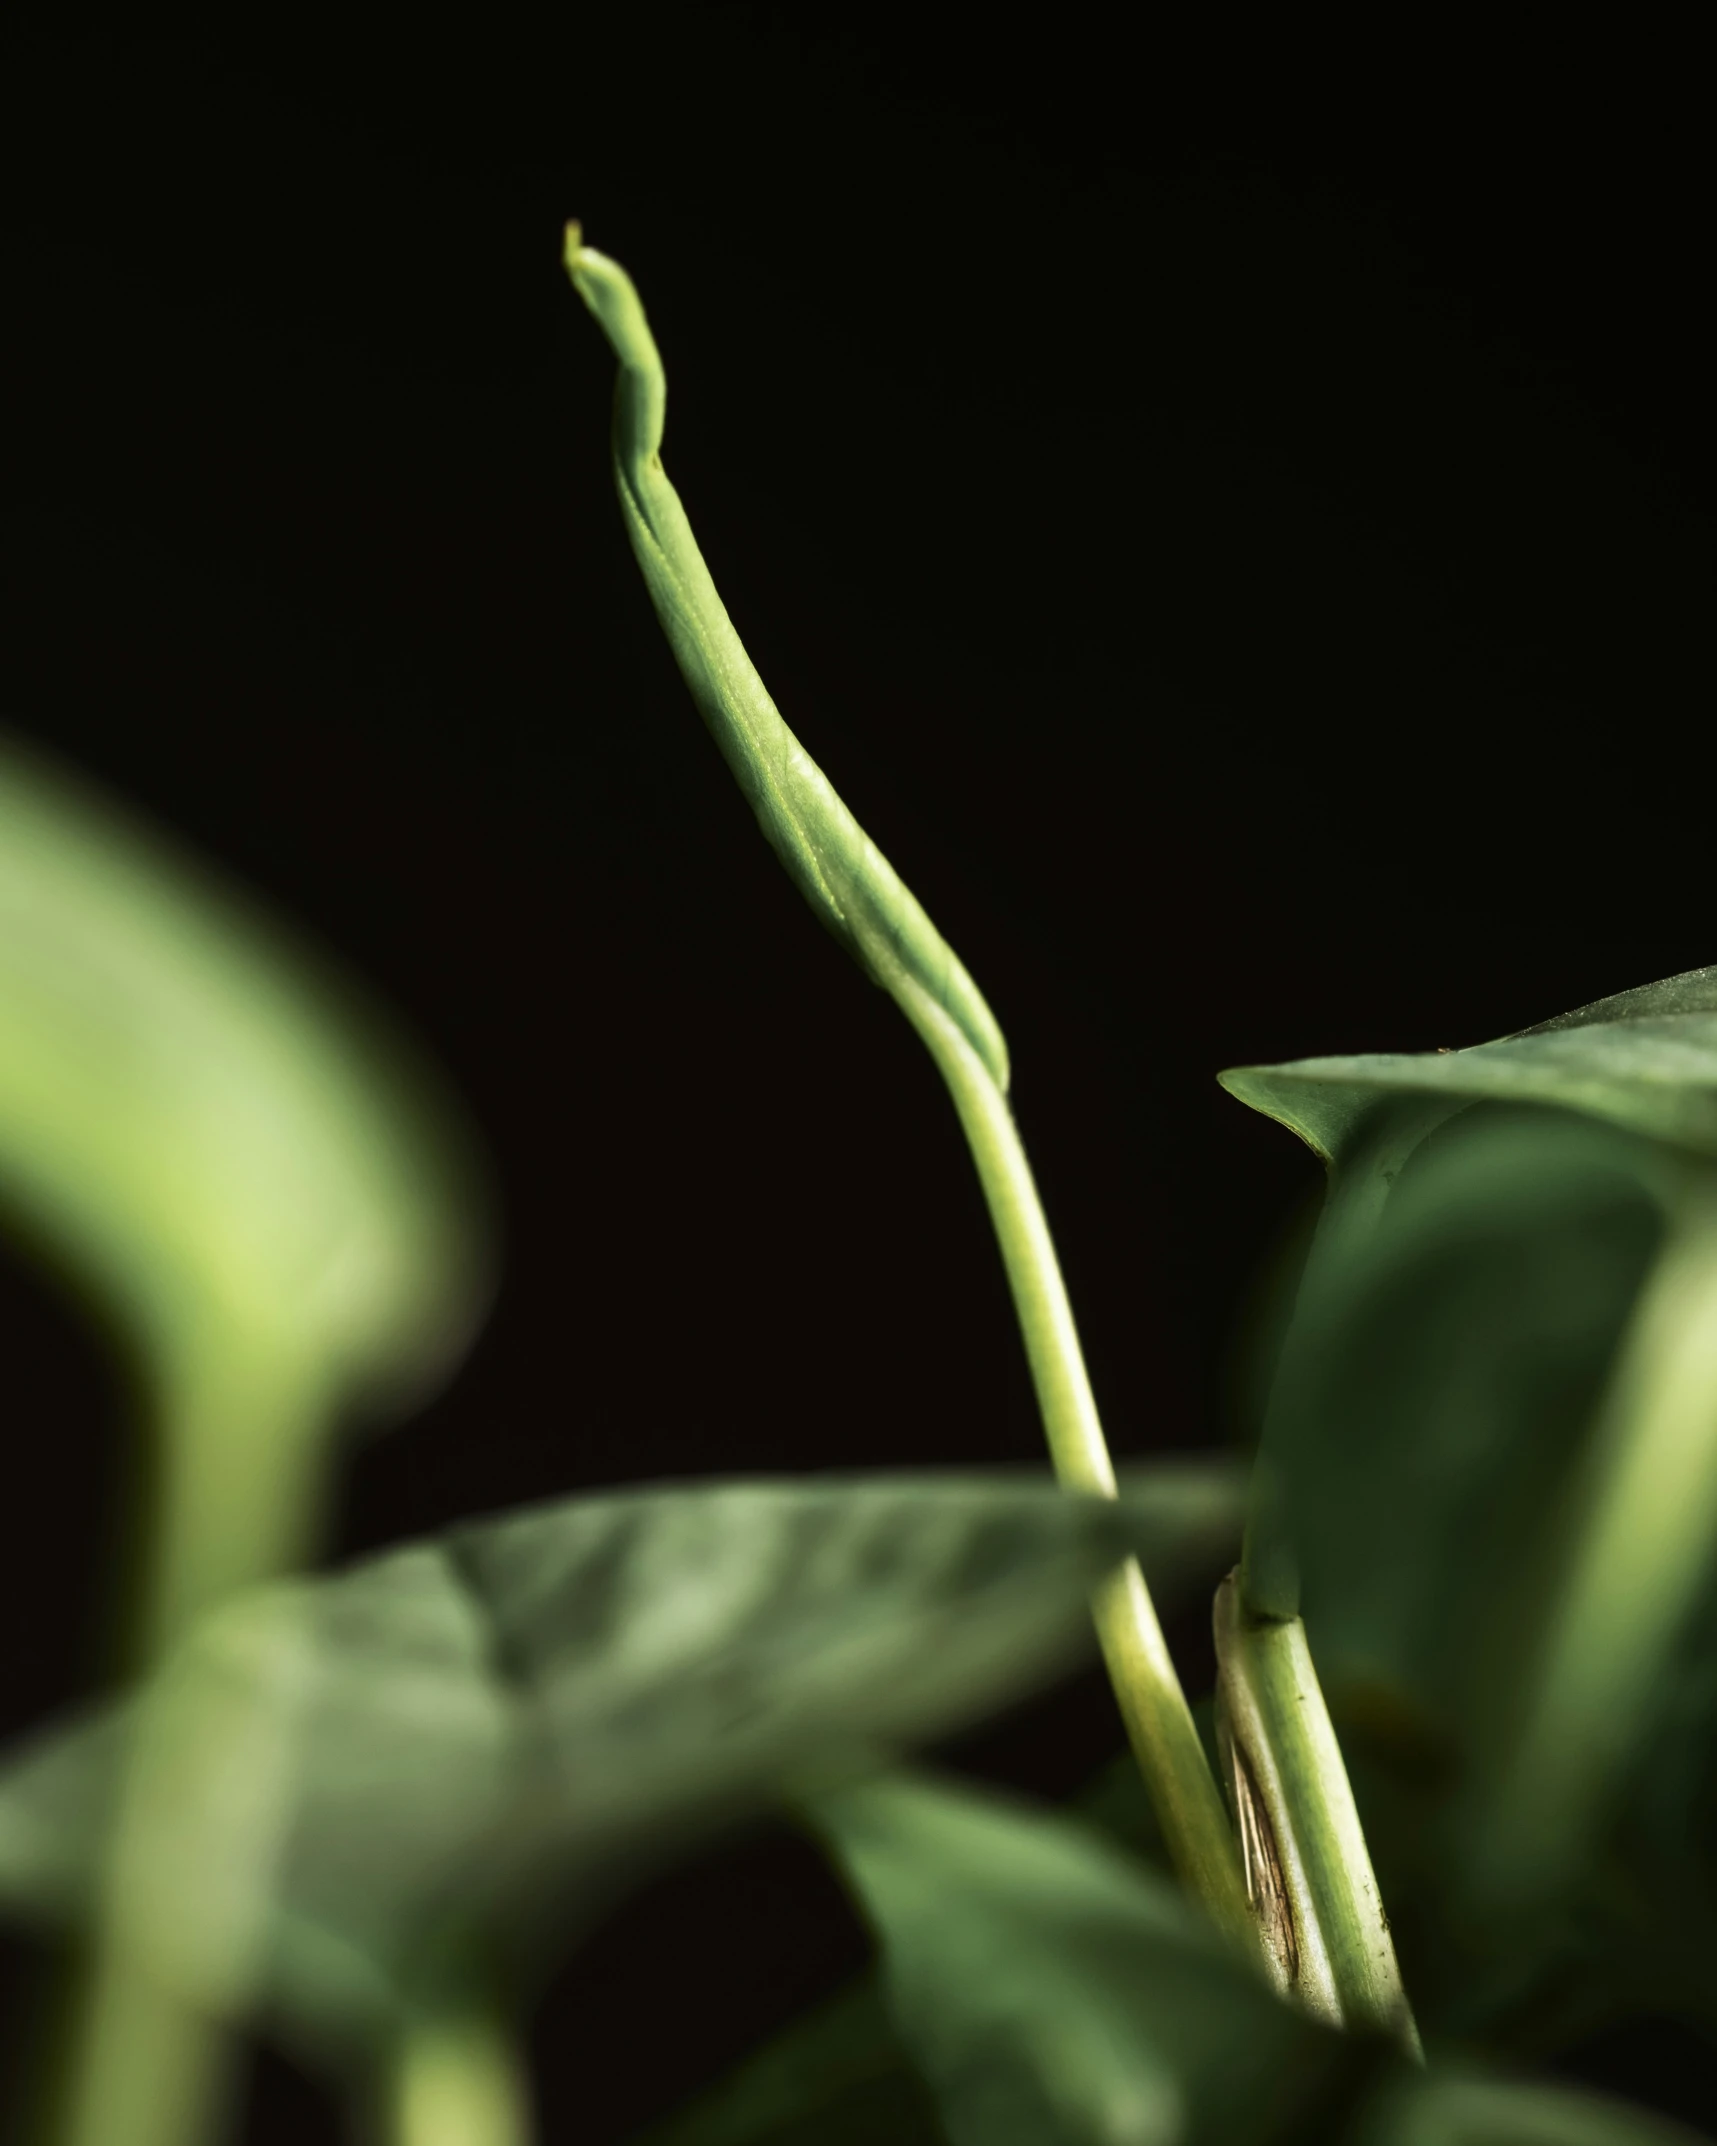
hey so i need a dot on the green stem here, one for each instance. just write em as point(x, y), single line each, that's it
point(859, 896)
point(1153, 1705)
point(1642, 1548)
point(243, 1449)
point(148, 2070)
point(239, 1460)
point(458, 2081)
point(1308, 1872)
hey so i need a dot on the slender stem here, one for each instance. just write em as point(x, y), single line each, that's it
point(859, 895)
point(1641, 1548)
point(1308, 1871)
point(149, 2070)
point(243, 1446)
point(238, 1469)
point(1153, 1706)
point(458, 2081)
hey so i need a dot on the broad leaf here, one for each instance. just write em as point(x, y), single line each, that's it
point(1017, 1888)
point(842, 2070)
point(1494, 1450)
point(365, 1782)
point(228, 1155)
point(1491, 1462)
point(1644, 1059)
point(1056, 1993)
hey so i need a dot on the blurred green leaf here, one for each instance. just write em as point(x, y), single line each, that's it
point(839, 2073)
point(198, 1120)
point(846, 2071)
point(1460, 2108)
point(1433, 1410)
point(1057, 1993)
point(843, 2064)
point(1436, 1393)
point(1658, 1929)
point(235, 1161)
point(362, 1779)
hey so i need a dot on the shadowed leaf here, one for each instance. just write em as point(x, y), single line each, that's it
point(1455, 2108)
point(1491, 1460)
point(368, 1777)
point(1057, 1993)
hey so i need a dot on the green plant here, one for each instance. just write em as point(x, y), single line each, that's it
point(361, 1811)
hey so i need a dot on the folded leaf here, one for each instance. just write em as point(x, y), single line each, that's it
point(370, 1780)
point(851, 886)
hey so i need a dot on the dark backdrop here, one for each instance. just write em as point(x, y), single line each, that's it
point(1236, 523)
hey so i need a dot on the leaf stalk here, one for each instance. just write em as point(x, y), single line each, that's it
point(1308, 1872)
point(859, 896)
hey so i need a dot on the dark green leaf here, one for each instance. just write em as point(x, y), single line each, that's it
point(1057, 1993)
point(251, 1180)
point(1492, 1445)
point(1437, 1388)
point(1455, 2108)
point(847, 2050)
point(839, 2074)
point(363, 1777)
point(1644, 1059)
point(1490, 1457)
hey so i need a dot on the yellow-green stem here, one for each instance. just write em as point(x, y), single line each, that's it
point(1153, 1705)
point(857, 893)
point(1308, 1871)
point(239, 1463)
point(458, 2081)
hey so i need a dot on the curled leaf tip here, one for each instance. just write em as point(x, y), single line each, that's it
point(838, 868)
point(574, 245)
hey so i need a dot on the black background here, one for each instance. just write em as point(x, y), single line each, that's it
point(1236, 523)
